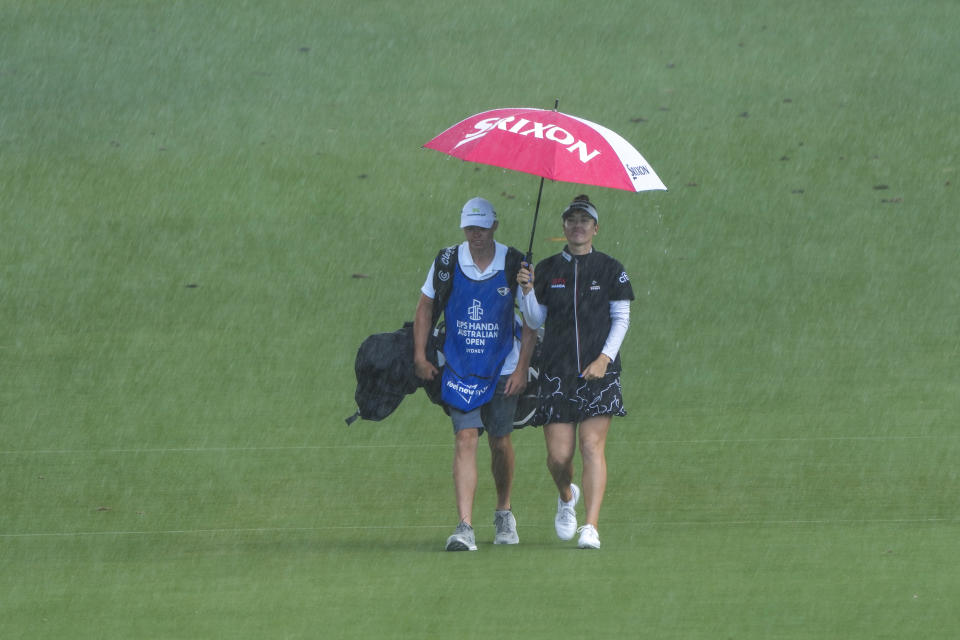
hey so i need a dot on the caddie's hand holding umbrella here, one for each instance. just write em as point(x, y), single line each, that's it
point(549, 144)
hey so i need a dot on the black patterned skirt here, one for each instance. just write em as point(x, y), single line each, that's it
point(572, 399)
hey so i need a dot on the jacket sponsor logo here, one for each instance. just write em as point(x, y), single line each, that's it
point(624, 278)
point(558, 283)
point(524, 127)
point(594, 286)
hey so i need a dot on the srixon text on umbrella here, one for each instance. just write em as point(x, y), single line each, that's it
point(539, 130)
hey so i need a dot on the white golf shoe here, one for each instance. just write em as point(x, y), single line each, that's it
point(462, 539)
point(506, 527)
point(589, 538)
point(566, 520)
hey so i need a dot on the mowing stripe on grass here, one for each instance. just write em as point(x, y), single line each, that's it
point(890, 438)
point(677, 523)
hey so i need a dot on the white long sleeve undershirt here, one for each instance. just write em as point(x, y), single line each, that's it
point(619, 322)
point(534, 313)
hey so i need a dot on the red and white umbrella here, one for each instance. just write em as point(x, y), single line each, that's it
point(549, 144)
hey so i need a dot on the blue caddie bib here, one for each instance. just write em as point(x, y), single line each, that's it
point(479, 319)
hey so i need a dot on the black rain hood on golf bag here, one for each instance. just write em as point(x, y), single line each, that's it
point(385, 375)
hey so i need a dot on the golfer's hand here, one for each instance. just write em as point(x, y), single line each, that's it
point(516, 383)
point(596, 369)
point(425, 369)
point(525, 278)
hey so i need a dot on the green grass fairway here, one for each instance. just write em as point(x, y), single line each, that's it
point(206, 206)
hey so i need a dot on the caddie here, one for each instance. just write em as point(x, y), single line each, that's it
point(474, 286)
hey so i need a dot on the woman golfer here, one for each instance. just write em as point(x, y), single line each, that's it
point(582, 297)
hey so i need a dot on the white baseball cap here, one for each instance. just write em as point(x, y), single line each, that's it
point(477, 213)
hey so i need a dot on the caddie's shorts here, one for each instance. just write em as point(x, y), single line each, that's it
point(496, 417)
point(571, 399)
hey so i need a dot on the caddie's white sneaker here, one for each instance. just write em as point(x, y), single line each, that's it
point(506, 526)
point(462, 539)
point(566, 520)
point(589, 538)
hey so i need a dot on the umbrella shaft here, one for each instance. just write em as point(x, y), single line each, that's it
point(536, 212)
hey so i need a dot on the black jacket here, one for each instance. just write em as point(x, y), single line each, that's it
point(577, 291)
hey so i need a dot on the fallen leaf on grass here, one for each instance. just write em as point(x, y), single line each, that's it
point(104, 509)
point(359, 275)
point(880, 187)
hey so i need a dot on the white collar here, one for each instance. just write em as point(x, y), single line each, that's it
point(499, 262)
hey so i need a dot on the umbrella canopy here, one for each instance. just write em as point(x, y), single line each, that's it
point(549, 144)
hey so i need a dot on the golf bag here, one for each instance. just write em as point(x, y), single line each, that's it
point(385, 373)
